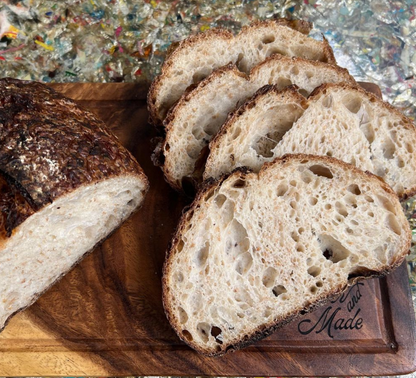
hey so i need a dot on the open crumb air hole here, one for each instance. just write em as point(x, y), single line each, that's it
point(354, 189)
point(268, 39)
point(352, 103)
point(278, 290)
point(321, 170)
point(187, 335)
point(239, 184)
point(217, 333)
point(314, 271)
point(332, 249)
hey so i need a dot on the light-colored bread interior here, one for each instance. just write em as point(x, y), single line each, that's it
point(195, 58)
point(47, 244)
point(258, 249)
point(197, 117)
point(340, 120)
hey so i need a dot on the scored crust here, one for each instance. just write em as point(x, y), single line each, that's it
point(49, 145)
point(50, 151)
point(266, 329)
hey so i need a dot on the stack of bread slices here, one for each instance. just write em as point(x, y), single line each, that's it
point(299, 174)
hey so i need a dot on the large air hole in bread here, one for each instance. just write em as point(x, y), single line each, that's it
point(340, 120)
point(282, 240)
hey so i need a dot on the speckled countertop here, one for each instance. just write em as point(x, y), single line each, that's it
point(126, 40)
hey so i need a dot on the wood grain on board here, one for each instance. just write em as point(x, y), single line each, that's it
point(106, 317)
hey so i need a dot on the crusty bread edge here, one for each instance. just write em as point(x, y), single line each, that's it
point(301, 26)
point(173, 112)
point(265, 330)
point(36, 296)
point(297, 25)
point(157, 82)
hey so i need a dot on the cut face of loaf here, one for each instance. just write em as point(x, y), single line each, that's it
point(196, 57)
point(343, 121)
point(197, 117)
point(256, 250)
point(65, 184)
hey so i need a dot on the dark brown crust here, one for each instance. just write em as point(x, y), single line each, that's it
point(38, 295)
point(297, 25)
point(407, 122)
point(267, 329)
point(14, 209)
point(287, 94)
point(49, 146)
point(328, 52)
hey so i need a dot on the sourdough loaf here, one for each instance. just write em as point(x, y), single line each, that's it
point(256, 250)
point(199, 114)
point(338, 120)
point(197, 56)
point(65, 184)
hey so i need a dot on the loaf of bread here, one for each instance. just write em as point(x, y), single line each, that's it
point(256, 250)
point(198, 115)
point(340, 120)
point(65, 184)
point(197, 56)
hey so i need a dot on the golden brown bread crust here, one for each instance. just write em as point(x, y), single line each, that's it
point(267, 329)
point(303, 27)
point(300, 25)
point(49, 146)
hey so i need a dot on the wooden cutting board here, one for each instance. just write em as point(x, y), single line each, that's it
point(106, 316)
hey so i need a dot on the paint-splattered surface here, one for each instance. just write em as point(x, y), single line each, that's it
point(126, 40)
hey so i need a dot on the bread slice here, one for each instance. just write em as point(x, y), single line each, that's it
point(256, 250)
point(197, 56)
point(198, 115)
point(66, 183)
point(341, 120)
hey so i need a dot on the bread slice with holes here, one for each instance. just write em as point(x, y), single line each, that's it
point(198, 115)
point(197, 56)
point(66, 183)
point(338, 120)
point(255, 250)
